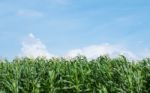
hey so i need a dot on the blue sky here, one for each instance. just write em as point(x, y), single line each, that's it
point(66, 25)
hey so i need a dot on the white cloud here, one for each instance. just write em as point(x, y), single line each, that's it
point(33, 47)
point(103, 49)
point(30, 13)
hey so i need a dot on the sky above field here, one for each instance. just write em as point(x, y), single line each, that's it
point(72, 27)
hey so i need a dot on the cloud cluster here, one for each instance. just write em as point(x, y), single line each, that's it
point(33, 47)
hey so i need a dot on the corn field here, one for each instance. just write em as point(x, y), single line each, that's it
point(76, 75)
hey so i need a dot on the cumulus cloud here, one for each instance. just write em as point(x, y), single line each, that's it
point(103, 49)
point(30, 13)
point(33, 47)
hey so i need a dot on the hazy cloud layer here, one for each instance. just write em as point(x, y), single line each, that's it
point(60, 2)
point(29, 13)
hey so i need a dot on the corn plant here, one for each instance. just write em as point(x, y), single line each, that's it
point(76, 75)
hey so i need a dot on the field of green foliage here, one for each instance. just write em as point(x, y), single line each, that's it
point(77, 75)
